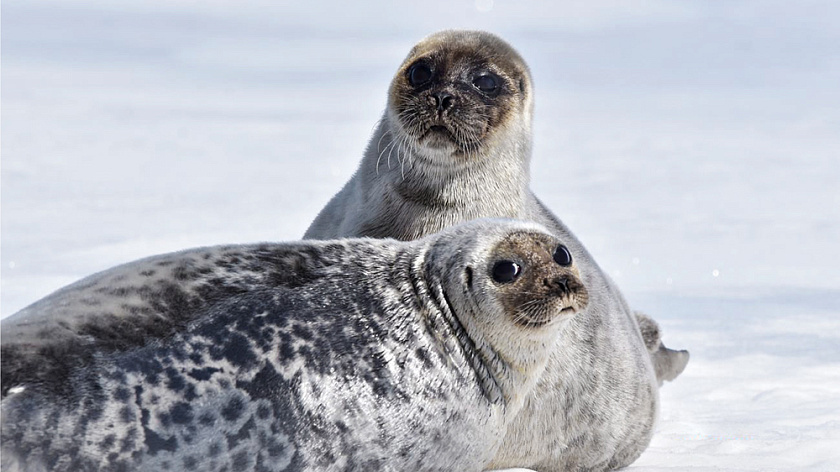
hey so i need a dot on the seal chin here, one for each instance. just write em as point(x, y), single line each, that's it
point(439, 138)
point(441, 143)
point(546, 315)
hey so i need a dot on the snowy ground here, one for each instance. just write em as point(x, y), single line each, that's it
point(694, 146)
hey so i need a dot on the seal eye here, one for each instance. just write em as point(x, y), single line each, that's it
point(562, 256)
point(506, 271)
point(486, 83)
point(419, 74)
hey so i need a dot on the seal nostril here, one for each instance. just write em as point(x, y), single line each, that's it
point(444, 100)
point(561, 283)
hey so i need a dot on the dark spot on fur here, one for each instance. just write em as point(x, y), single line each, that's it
point(243, 433)
point(155, 443)
point(214, 450)
point(267, 384)
point(190, 463)
point(112, 460)
point(234, 409)
point(147, 273)
point(306, 352)
point(423, 356)
point(126, 415)
point(122, 394)
point(206, 419)
point(107, 442)
point(302, 332)
point(181, 413)
point(189, 393)
point(129, 442)
point(287, 350)
point(181, 272)
point(176, 380)
point(240, 462)
point(165, 420)
point(237, 350)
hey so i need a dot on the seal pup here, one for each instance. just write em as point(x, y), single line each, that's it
point(455, 144)
point(337, 355)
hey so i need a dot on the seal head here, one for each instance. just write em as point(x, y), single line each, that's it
point(455, 91)
point(512, 298)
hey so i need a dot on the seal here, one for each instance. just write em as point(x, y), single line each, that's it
point(454, 144)
point(338, 355)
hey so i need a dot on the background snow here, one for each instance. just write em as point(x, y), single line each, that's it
point(693, 146)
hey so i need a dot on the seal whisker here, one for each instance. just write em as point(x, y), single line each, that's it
point(378, 159)
point(390, 141)
point(402, 160)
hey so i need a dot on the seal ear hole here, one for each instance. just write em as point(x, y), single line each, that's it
point(506, 271)
point(469, 277)
point(522, 85)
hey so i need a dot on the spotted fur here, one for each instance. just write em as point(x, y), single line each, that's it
point(340, 355)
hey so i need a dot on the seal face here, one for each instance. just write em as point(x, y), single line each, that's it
point(454, 91)
point(523, 278)
point(354, 354)
point(458, 120)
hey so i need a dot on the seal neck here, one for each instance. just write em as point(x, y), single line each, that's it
point(453, 339)
point(490, 183)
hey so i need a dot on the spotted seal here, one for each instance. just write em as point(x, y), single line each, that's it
point(337, 355)
point(455, 144)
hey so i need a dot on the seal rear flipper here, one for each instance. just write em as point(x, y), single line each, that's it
point(668, 363)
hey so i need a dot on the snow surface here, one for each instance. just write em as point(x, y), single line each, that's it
point(693, 146)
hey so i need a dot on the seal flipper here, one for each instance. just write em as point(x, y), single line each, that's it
point(668, 363)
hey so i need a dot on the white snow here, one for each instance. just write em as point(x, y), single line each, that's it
point(693, 146)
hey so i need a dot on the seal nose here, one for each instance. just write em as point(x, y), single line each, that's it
point(443, 100)
point(560, 284)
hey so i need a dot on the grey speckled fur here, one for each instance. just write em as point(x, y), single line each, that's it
point(595, 406)
point(338, 355)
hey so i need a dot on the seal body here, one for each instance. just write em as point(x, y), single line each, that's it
point(337, 355)
point(454, 145)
